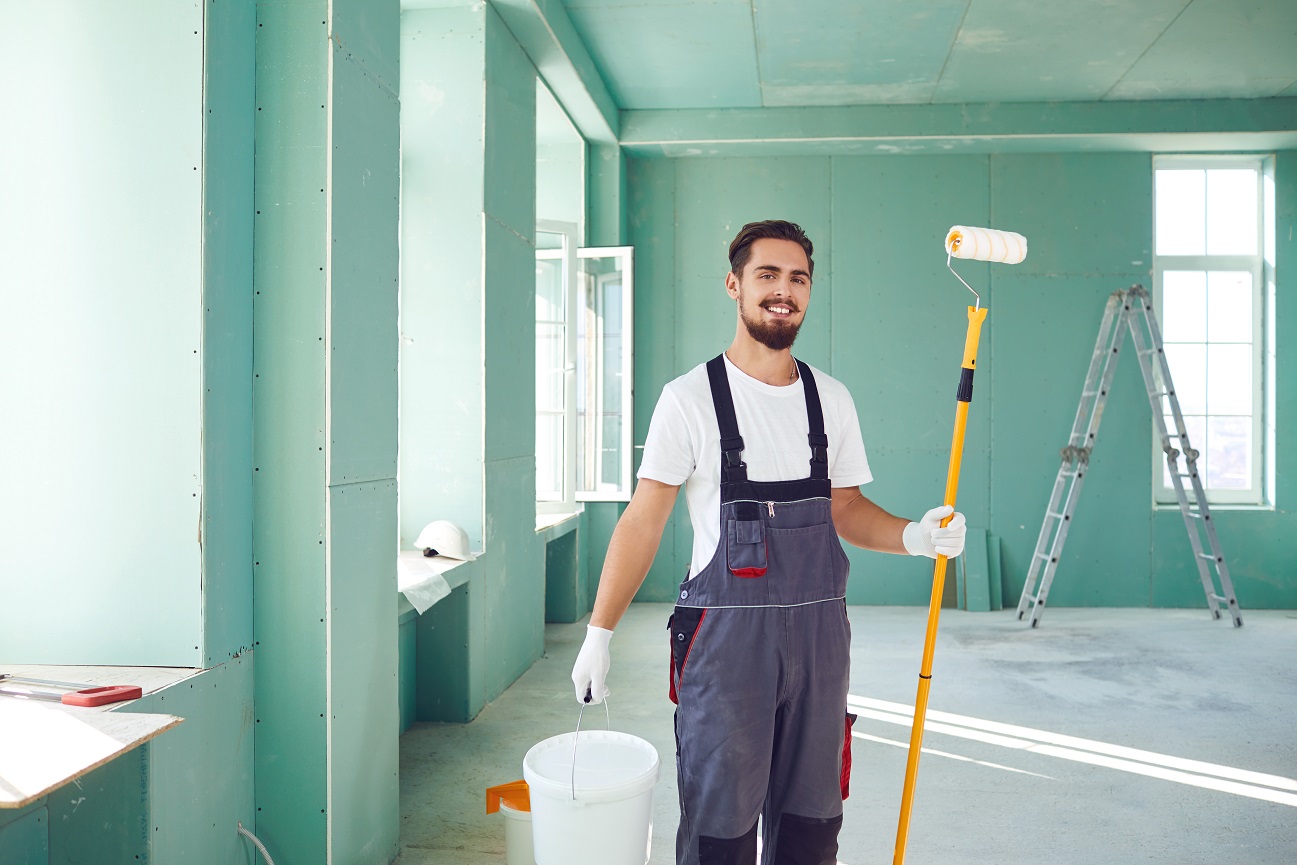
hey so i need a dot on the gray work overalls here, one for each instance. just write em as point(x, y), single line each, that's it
point(760, 655)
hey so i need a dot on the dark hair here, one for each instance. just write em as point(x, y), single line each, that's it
point(778, 229)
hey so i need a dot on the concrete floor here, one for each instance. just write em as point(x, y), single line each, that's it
point(1173, 684)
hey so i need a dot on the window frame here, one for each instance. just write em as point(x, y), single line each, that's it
point(626, 451)
point(1255, 494)
point(566, 503)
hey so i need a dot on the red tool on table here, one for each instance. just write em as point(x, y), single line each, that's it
point(67, 693)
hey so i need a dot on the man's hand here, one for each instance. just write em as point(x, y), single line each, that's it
point(928, 538)
point(590, 672)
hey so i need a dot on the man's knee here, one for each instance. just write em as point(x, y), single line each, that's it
point(728, 851)
point(807, 840)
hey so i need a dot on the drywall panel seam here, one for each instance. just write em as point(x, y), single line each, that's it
point(329, 785)
point(1148, 48)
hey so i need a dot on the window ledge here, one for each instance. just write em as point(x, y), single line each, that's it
point(1223, 506)
point(551, 526)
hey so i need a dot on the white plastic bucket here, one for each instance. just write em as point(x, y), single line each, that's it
point(517, 837)
point(610, 821)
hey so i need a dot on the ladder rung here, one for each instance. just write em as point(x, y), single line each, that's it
point(1208, 556)
point(1053, 514)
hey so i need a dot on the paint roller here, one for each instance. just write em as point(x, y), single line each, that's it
point(974, 244)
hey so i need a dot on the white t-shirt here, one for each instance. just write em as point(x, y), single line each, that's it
point(684, 441)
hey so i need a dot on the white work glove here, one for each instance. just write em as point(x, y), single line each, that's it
point(928, 538)
point(590, 672)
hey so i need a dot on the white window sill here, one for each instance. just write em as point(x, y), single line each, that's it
point(551, 526)
point(422, 581)
point(1221, 506)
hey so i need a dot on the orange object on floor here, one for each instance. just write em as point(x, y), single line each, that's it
point(515, 795)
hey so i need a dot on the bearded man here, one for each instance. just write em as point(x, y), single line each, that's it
point(771, 458)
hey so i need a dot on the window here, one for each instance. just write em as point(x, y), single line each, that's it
point(604, 336)
point(584, 344)
point(1211, 278)
point(555, 367)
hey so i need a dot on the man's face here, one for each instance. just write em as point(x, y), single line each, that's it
point(772, 291)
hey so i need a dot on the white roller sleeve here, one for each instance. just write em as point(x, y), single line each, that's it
point(986, 244)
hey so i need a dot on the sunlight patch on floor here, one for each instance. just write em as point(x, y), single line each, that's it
point(1196, 773)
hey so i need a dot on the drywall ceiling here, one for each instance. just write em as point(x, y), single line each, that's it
point(668, 54)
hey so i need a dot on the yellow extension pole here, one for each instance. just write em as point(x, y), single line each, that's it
point(975, 318)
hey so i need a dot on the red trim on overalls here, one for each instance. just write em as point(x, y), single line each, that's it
point(675, 698)
point(845, 778)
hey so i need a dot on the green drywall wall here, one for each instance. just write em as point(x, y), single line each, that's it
point(1088, 219)
point(605, 196)
point(364, 714)
point(178, 797)
point(407, 660)
point(104, 816)
point(442, 68)
point(468, 428)
point(898, 325)
point(562, 588)
point(289, 432)
point(101, 340)
point(890, 324)
point(199, 773)
point(1181, 126)
point(651, 188)
point(229, 99)
point(326, 209)
point(443, 663)
point(25, 835)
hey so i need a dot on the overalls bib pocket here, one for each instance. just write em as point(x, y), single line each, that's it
point(745, 543)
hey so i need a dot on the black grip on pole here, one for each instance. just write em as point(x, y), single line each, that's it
point(965, 385)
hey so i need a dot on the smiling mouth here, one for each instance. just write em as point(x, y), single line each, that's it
point(779, 310)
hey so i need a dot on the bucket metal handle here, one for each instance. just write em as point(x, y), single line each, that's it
point(577, 737)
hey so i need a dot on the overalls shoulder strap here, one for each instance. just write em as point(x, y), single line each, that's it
point(733, 469)
point(815, 415)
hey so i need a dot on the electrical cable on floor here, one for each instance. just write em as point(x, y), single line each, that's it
point(255, 840)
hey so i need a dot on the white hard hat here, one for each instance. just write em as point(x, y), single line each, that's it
point(444, 538)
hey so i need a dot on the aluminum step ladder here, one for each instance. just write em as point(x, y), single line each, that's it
point(1134, 308)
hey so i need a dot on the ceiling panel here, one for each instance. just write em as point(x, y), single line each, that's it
point(751, 53)
point(1240, 49)
point(682, 55)
point(1025, 51)
point(844, 52)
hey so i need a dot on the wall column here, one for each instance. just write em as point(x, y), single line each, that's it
point(325, 430)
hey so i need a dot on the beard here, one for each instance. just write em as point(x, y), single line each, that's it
point(774, 335)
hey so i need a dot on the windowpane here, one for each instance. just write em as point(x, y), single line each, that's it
point(1229, 451)
point(612, 380)
point(549, 240)
point(549, 457)
point(1231, 211)
point(1229, 379)
point(549, 367)
point(1181, 203)
point(1229, 306)
point(1189, 375)
point(549, 289)
point(1184, 306)
point(610, 459)
point(1196, 427)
